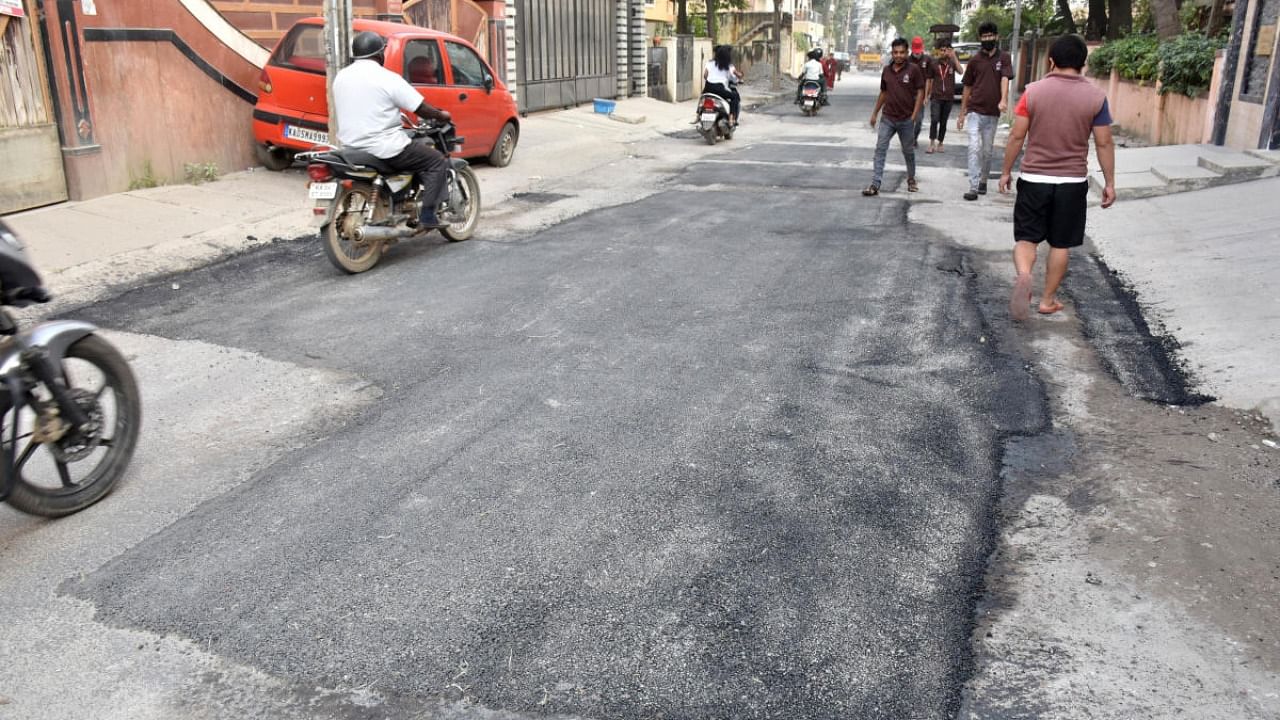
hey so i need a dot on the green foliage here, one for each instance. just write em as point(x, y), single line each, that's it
point(1137, 58)
point(801, 42)
point(1101, 60)
point(147, 179)
point(1183, 64)
point(1186, 63)
point(197, 173)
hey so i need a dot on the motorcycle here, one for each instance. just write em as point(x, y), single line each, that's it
point(367, 206)
point(810, 97)
point(714, 120)
point(66, 391)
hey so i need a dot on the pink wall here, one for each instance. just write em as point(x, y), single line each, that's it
point(1171, 119)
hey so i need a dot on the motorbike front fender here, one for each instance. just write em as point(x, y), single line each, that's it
point(54, 337)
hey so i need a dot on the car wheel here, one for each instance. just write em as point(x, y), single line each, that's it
point(273, 158)
point(505, 148)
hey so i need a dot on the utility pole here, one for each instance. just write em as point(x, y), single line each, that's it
point(337, 52)
point(777, 45)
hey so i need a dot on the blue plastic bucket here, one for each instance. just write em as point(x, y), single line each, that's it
point(605, 107)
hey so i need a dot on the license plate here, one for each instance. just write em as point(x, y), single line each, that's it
point(809, 102)
point(323, 191)
point(708, 117)
point(307, 134)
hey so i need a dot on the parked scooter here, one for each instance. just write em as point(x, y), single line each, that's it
point(368, 206)
point(70, 404)
point(714, 120)
point(811, 97)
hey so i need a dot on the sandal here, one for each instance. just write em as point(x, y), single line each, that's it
point(912, 186)
point(871, 190)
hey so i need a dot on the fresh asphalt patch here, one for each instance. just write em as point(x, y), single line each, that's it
point(629, 468)
point(785, 177)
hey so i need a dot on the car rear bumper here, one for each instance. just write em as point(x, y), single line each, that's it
point(269, 129)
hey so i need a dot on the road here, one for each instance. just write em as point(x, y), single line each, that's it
point(729, 448)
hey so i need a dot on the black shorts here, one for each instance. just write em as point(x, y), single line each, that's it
point(1045, 211)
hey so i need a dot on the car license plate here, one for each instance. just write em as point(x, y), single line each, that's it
point(307, 134)
point(708, 117)
point(323, 191)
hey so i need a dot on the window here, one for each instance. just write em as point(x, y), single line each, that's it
point(422, 63)
point(467, 68)
point(302, 49)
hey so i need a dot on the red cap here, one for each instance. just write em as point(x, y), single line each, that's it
point(917, 44)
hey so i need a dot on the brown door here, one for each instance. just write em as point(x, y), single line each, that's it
point(31, 174)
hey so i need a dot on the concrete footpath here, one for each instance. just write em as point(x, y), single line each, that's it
point(1203, 263)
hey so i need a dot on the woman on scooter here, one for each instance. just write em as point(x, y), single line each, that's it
point(719, 78)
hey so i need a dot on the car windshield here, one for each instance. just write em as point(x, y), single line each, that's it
point(964, 51)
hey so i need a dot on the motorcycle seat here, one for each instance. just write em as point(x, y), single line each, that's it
point(362, 158)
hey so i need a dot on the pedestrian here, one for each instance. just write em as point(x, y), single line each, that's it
point(928, 68)
point(1055, 118)
point(986, 97)
point(829, 67)
point(901, 97)
point(943, 96)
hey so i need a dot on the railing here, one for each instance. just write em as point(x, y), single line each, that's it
point(809, 16)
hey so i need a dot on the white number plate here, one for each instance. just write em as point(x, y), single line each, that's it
point(307, 134)
point(323, 191)
point(708, 117)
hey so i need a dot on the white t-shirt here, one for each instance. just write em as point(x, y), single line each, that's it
point(716, 75)
point(812, 70)
point(369, 99)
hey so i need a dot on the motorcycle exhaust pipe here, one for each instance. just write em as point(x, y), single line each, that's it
point(378, 233)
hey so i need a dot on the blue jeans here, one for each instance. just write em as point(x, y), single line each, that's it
point(905, 129)
point(982, 138)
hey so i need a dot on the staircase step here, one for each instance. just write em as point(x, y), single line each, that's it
point(1235, 165)
point(1133, 184)
point(1271, 156)
point(1186, 177)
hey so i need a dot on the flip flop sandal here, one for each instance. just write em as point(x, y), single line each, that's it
point(912, 186)
point(1055, 307)
point(871, 190)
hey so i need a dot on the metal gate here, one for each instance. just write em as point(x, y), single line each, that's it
point(684, 68)
point(566, 52)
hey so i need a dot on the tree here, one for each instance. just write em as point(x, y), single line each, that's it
point(1168, 24)
point(682, 17)
point(1064, 12)
point(1119, 18)
point(1096, 27)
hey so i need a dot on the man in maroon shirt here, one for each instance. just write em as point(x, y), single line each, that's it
point(944, 94)
point(901, 96)
point(928, 68)
point(986, 97)
point(1055, 118)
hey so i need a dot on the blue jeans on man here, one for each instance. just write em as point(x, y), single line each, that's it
point(982, 138)
point(885, 130)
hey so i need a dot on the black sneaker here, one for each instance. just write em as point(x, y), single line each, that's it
point(971, 195)
point(982, 188)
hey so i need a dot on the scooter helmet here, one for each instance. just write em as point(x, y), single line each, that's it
point(367, 45)
point(816, 53)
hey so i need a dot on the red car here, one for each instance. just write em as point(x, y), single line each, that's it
point(292, 113)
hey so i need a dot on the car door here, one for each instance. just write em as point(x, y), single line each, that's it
point(422, 65)
point(479, 116)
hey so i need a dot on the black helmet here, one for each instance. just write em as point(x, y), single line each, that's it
point(366, 45)
point(816, 53)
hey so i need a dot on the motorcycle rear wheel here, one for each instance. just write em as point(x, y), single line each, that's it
point(711, 135)
point(48, 487)
point(466, 227)
point(348, 254)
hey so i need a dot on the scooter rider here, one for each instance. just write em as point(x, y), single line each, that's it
point(368, 100)
point(719, 78)
point(812, 72)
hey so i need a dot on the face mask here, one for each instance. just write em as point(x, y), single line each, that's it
point(989, 45)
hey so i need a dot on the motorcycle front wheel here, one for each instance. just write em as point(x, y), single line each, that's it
point(57, 477)
point(350, 213)
point(466, 227)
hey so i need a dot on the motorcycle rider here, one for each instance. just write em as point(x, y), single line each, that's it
point(719, 77)
point(368, 100)
point(812, 72)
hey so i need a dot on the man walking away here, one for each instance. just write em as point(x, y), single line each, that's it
point(944, 94)
point(986, 97)
point(1054, 118)
point(928, 68)
point(902, 97)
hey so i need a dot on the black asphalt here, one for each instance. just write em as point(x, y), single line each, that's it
point(728, 452)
